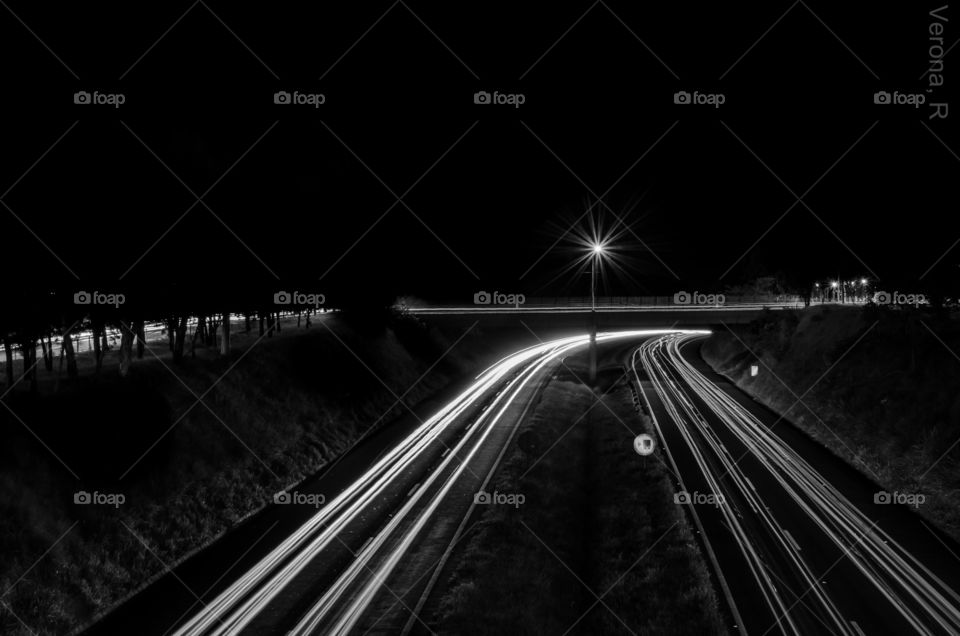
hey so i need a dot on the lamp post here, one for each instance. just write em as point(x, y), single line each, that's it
point(597, 249)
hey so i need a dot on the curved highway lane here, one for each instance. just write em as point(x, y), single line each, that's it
point(367, 548)
point(795, 554)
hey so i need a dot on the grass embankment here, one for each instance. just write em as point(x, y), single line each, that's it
point(274, 414)
point(597, 521)
point(884, 382)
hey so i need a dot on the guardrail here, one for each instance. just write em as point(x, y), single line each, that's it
point(688, 302)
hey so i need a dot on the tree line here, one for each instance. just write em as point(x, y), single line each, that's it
point(52, 323)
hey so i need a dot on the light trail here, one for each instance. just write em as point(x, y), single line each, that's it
point(926, 604)
point(344, 602)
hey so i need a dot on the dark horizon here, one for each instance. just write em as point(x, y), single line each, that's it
point(714, 196)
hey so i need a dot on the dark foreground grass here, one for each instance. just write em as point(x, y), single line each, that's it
point(273, 414)
point(878, 387)
point(598, 547)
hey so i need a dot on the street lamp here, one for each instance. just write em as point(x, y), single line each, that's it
point(597, 252)
point(597, 249)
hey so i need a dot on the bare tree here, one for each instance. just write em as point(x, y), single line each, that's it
point(47, 348)
point(225, 339)
point(141, 338)
point(98, 343)
point(66, 349)
point(172, 333)
point(8, 357)
point(198, 333)
point(212, 326)
point(180, 336)
point(50, 349)
point(29, 353)
point(126, 348)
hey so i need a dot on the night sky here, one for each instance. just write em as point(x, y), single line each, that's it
point(292, 192)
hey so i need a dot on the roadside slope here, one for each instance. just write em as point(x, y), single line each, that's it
point(188, 472)
point(876, 386)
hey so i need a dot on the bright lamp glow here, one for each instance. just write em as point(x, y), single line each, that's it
point(833, 284)
point(863, 281)
point(598, 248)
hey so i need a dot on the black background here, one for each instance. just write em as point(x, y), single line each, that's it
point(301, 186)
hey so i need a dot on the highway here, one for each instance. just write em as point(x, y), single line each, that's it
point(368, 560)
point(796, 542)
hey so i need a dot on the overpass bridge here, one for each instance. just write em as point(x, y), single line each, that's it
point(612, 312)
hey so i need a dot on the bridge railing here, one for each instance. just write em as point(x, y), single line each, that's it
point(687, 301)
